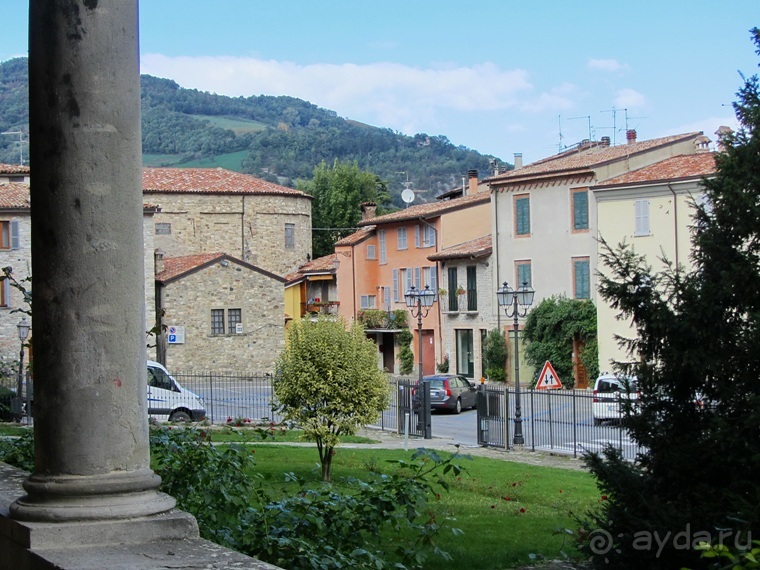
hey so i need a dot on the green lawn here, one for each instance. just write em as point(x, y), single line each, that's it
point(230, 161)
point(506, 510)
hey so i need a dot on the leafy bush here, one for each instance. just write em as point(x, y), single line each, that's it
point(443, 365)
point(19, 451)
point(495, 355)
point(405, 354)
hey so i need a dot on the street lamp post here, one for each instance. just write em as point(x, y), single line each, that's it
point(419, 302)
point(23, 333)
point(515, 304)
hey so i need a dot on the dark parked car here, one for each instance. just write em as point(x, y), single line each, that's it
point(449, 392)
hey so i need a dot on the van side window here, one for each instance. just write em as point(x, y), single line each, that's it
point(159, 379)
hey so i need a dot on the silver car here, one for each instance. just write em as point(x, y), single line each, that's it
point(450, 392)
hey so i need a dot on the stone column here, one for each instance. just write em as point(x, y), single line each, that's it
point(88, 300)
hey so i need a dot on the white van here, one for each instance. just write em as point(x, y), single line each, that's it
point(609, 390)
point(168, 400)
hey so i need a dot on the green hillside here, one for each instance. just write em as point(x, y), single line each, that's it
point(277, 138)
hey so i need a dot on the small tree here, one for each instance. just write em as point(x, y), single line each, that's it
point(328, 382)
point(551, 328)
point(495, 355)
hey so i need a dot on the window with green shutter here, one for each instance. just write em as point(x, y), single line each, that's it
point(522, 216)
point(453, 301)
point(582, 277)
point(580, 209)
point(524, 276)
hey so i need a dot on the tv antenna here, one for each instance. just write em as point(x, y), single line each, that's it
point(407, 195)
point(590, 130)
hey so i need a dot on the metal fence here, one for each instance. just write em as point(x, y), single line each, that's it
point(552, 420)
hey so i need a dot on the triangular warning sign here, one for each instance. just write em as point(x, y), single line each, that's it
point(548, 379)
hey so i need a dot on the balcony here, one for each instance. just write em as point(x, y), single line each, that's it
point(315, 307)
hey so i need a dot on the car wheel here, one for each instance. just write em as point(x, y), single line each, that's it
point(179, 416)
point(458, 406)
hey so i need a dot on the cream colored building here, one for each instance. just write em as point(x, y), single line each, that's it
point(652, 211)
point(544, 217)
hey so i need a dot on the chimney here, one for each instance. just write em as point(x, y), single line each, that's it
point(518, 161)
point(605, 142)
point(368, 210)
point(630, 136)
point(472, 176)
point(722, 132)
point(158, 260)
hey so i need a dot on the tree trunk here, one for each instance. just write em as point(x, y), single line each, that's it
point(327, 464)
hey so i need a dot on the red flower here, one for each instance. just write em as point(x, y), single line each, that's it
point(604, 497)
point(253, 451)
point(438, 496)
point(507, 498)
point(522, 509)
point(514, 484)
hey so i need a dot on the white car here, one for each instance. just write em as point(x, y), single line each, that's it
point(609, 391)
point(168, 400)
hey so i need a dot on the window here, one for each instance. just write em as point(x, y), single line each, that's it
point(429, 274)
point(371, 254)
point(428, 236)
point(581, 278)
point(217, 321)
point(367, 302)
point(522, 215)
point(523, 273)
point(453, 297)
point(163, 229)
point(396, 286)
point(234, 317)
point(472, 289)
point(417, 279)
point(416, 236)
point(381, 239)
point(580, 209)
point(641, 208)
point(9, 235)
point(387, 298)
point(402, 238)
point(290, 236)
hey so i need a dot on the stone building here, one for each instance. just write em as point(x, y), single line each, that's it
point(213, 209)
point(218, 313)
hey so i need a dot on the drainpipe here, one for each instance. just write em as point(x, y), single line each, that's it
point(242, 230)
point(495, 246)
point(353, 278)
point(675, 221)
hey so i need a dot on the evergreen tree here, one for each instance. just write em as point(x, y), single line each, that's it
point(495, 356)
point(696, 357)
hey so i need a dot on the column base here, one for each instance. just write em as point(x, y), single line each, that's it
point(112, 496)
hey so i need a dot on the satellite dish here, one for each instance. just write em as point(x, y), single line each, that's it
point(407, 195)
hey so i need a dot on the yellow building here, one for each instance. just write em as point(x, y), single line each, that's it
point(651, 209)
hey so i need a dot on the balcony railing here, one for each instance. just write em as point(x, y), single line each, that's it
point(320, 308)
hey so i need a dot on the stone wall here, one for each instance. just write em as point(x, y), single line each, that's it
point(250, 227)
point(21, 262)
point(189, 301)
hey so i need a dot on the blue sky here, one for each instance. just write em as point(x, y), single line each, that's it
point(497, 76)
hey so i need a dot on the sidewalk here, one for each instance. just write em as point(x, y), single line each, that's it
point(391, 440)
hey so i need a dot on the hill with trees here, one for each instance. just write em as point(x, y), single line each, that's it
point(281, 138)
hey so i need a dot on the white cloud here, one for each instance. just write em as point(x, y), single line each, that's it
point(559, 98)
point(629, 98)
point(392, 95)
point(610, 65)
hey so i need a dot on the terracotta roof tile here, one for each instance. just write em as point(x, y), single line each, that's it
point(210, 181)
point(356, 237)
point(679, 167)
point(324, 264)
point(595, 156)
point(175, 266)
point(13, 169)
point(480, 247)
point(430, 210)
point(14, 195)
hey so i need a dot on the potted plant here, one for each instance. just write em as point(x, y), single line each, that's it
point(461, 290)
